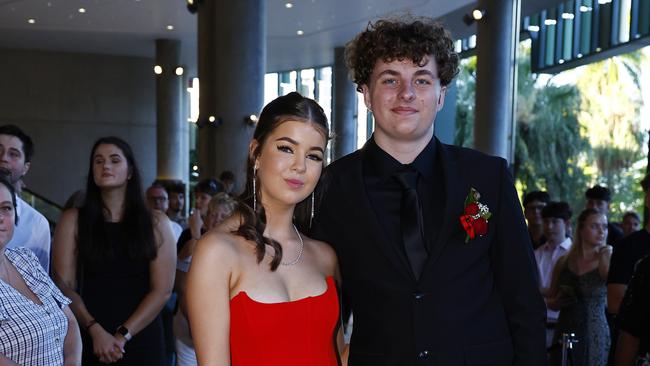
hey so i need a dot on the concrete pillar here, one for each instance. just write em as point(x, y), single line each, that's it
point(496, 77)
point(170, 130)
point(231, 60)
point(344, 108)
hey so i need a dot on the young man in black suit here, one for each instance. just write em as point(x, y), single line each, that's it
point(436, 260)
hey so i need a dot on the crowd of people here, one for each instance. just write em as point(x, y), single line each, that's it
point(424, 244)
point(584, 276)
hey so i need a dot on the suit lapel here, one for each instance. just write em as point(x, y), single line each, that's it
point(453, 198)
point(374, 230)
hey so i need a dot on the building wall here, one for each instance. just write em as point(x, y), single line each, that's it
point(65, 101)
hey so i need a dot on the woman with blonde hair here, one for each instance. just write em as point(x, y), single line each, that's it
point(220, 207)
point(579, 292)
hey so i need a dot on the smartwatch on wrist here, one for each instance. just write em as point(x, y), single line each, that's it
point(121, 330)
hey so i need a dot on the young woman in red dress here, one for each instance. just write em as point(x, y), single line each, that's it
point(259, 291)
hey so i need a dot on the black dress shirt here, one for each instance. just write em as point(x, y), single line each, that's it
point(385, 193)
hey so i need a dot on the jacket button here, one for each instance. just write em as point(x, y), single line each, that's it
point(418, 295)
point(424, 354)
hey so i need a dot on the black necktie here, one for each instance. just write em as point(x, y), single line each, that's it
point(411, 221)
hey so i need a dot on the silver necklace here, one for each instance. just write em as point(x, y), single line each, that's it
point(302, 245)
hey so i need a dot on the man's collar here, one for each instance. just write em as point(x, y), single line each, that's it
point(383, 165)
point(566, 244)
point(19, 206)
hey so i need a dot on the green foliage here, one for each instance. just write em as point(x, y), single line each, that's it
point(574, 135)
point(465, 103)
point(549, 146)
point(609, 113)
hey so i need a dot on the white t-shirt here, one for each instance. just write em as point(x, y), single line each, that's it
point(33, 232)
point(176, 229)
point(546, 258)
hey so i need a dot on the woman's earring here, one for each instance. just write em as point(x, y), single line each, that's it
point(254, 190)
point(311, 217)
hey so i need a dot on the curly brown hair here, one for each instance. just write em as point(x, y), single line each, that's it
point(402, 39)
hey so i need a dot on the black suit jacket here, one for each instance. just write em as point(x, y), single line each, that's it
point(475, 303)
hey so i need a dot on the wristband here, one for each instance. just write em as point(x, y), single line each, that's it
point(90, 324)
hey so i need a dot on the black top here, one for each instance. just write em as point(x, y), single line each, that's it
point(185, 236)
point(626, 254)
point(111, 290)
point(614, 233)
point(634, 316)
point(385, 192)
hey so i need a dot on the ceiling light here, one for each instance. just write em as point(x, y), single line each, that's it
point(195, 167)
point(533, 28)
point(251, 120)
point(568, 16)
point(603, 2)
point(560, 61)
point(550, 22)
point(288, 5)
point(170, 27)
point(584, 8)
point(31, 20)
point(157, 69)
point(478, 14)
point(211, 119)
point(82, 10)
point(179, 71)
point(475, 15)
point(300, 32)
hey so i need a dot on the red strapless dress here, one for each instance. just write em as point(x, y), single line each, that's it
point(299, 332)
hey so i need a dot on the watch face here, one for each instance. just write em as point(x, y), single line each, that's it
point(122, 330)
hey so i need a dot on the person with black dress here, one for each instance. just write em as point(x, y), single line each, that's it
point(115, 260)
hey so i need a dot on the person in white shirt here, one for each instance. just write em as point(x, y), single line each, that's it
point(556, 218)
point(33, 230)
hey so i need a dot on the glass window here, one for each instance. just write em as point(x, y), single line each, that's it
point(270, 87)
point(324, 97)
point(287, 82)
point(307, 83)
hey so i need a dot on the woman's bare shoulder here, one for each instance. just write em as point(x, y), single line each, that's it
point(218, 243)
point(70, 215)
point(324, 254)
point(159, 217)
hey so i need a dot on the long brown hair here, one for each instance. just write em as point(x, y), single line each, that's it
point(92, 241)
point(294, 107)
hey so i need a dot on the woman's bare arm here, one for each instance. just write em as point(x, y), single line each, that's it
point(72, 342)
point(208, 298)
point(162, 270)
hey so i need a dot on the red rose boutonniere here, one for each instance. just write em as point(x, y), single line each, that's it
point(476, 215)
